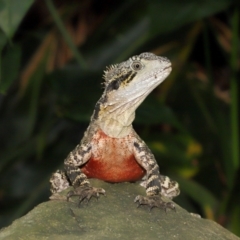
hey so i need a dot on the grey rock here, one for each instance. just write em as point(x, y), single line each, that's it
point(114, 216)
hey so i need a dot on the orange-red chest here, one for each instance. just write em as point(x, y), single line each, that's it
point(112, 159)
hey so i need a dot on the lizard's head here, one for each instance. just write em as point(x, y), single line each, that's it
point(139, 73)
point(127, 84)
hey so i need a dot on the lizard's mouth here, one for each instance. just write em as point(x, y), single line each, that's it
point(168, 67)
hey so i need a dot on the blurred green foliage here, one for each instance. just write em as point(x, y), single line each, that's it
point(52, 59)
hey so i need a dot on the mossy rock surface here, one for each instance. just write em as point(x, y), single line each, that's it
point(113, 216)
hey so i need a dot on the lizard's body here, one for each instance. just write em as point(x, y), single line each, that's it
point(112, 159)
point(111, 150)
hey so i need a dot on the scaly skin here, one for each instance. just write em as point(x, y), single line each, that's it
point(111, 150)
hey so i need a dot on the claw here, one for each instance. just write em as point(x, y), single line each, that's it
point(70, 194)
point(154, 201)
point(85, 192)
point(171, 206)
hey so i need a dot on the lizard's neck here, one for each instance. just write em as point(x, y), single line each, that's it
point(114, 115)
point(117, 123)
point(116, 126)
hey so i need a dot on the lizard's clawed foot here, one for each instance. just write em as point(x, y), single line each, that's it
point(86, 192)
point(154, 201)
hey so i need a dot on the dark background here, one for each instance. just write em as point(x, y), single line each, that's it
point(53, 54)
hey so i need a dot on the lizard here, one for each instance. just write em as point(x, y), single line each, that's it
point(110, 149)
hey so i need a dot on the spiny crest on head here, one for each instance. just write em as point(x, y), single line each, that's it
point(115, 70)
point(106, 73)
point(108, 69)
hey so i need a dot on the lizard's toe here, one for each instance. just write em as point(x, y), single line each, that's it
point(86, 192)
point(154, 201)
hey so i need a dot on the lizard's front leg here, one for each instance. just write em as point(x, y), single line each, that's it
point(79, 156)
point(153, 183)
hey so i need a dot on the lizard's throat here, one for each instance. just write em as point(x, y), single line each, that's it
point(117, 114)
point(117, 122)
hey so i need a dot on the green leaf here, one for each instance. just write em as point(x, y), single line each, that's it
point(170, 15)
point(10, 68)
point(3, 40)
point(77, 92)
point(118, 49)
point(234, 224)
point(200, 194)
point(152, 111)
point(12, 13)
point(116, 39)
point(176, 153)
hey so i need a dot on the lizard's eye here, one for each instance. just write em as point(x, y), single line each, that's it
point(136, 66)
